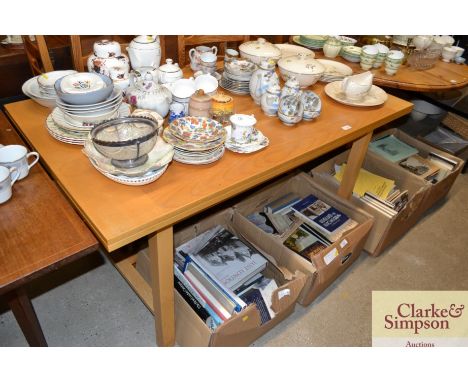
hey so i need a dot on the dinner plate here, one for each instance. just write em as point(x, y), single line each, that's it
point(375, 97)
point(207, 160)
point(115, 95)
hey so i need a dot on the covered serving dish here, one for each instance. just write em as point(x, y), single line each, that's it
point(303, 67)
point(260, 50)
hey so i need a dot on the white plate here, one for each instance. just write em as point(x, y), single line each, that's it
point(335, 69)
point(148, 178)
point(116, 95)
point(375, 97)
point(207, 160)
point(291, 50)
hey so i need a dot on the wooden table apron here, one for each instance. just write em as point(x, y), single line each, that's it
point(120, 214)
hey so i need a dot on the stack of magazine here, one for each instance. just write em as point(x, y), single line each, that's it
point(309, 224)
point(377, 191)
point(432, 168)
point(219, 275)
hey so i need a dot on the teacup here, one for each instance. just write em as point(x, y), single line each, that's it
point(422, 42)
point(368, 56)
point(449, 53)
point(17, 156)
point(458, 51)
point(195, 54)
point(356, 87)
point(230, 54)
point(6, 182)
point(242, 128)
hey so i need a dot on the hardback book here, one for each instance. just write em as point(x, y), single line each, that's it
point(304, 243)
point(254, 296)
point(281, 203)
point(227, 258)
point(328, 220)
point(419, 166)
point(195, 300)
point(261, 294)
point(391, 148)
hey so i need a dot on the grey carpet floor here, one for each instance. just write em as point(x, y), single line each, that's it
point(88, 303)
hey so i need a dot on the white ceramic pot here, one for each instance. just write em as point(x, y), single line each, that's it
point(169, 72)
point(145, 50)
point(262, 79)
point(106, 48)
point(260, 50)
point(304, 68)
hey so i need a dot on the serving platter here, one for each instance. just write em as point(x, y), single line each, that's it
point(375, 97)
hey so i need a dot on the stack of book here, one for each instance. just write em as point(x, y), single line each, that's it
point(377, 191)
point(432, 168)
point(218, 275)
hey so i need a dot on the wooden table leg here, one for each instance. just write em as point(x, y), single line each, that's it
point(21, 306)
point(162, 284)
point(354, 163)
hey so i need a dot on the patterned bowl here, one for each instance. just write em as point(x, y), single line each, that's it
point(197, 129)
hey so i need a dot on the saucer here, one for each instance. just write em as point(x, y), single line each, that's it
point(258, 142)
point(375, 97)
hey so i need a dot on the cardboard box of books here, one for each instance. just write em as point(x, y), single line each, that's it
point(388, 192)
point(435, 166)
point(226, 292)
point(322, 238)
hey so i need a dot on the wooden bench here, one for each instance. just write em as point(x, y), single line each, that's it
point(39, 232)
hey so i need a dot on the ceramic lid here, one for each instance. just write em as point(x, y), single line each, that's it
point(301, 64)
point(145, 39)
point(261, 47)
point(200, 96)
point(221, 97)
point(169, 67)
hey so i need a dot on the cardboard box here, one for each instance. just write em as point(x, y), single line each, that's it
point(242, 328)
point(386, 230)
point(329, 263)
point(437, 191)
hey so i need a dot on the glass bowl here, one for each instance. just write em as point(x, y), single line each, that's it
point(126, 141)
point(423, 59)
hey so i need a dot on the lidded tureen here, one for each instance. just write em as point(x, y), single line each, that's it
point(260, 50)
point(303, 67)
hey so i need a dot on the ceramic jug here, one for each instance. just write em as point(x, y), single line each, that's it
point(261, 79)
point(291, 87)
point(145, 93)
point(145, 50)
point(270, 100)
point(108, 58)
point(332, 47)
point(357, 86)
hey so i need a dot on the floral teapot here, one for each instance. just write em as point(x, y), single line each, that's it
point(261, 79)
point(145, 93)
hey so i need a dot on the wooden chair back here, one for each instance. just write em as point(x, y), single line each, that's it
point(191, 41)
point(80, 59)
point(37, 54)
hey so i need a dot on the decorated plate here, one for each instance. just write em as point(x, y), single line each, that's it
point(190, 146)
point(334, 68)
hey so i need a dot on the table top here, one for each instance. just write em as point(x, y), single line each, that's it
point(443, 76)
point(39, 230)
point(120, 214)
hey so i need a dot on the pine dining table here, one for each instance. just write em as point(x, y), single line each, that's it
point(120, 214)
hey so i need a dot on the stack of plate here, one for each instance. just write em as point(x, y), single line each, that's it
point(196, 140)
point(334, 71)
point(41, 88)
point(236, 76)
point(258, 141)
point(158, 160)
point(351, 53)
point(74, 133)
point(311, 41)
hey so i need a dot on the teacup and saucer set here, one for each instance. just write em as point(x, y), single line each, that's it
point(242, 136)
point(356, 90)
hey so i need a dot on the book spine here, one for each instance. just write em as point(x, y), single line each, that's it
point(191, 300)
point(314, 225)
point(239, 304)
point(188, 286)
point(207, 296)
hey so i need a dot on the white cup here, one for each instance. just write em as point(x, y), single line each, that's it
point(17, 156)
point(6, 182)
point(242, 127)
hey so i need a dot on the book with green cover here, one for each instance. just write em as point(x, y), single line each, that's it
point(392, 149)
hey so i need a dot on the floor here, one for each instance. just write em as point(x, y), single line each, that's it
point(89, 304)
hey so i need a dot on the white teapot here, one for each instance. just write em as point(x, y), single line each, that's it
point(145, 51)
point(145, 93)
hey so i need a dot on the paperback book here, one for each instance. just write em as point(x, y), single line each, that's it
point(420, 166)
point(392, 149)
point(305, 243)
point(261, 295)
point(328, 220)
